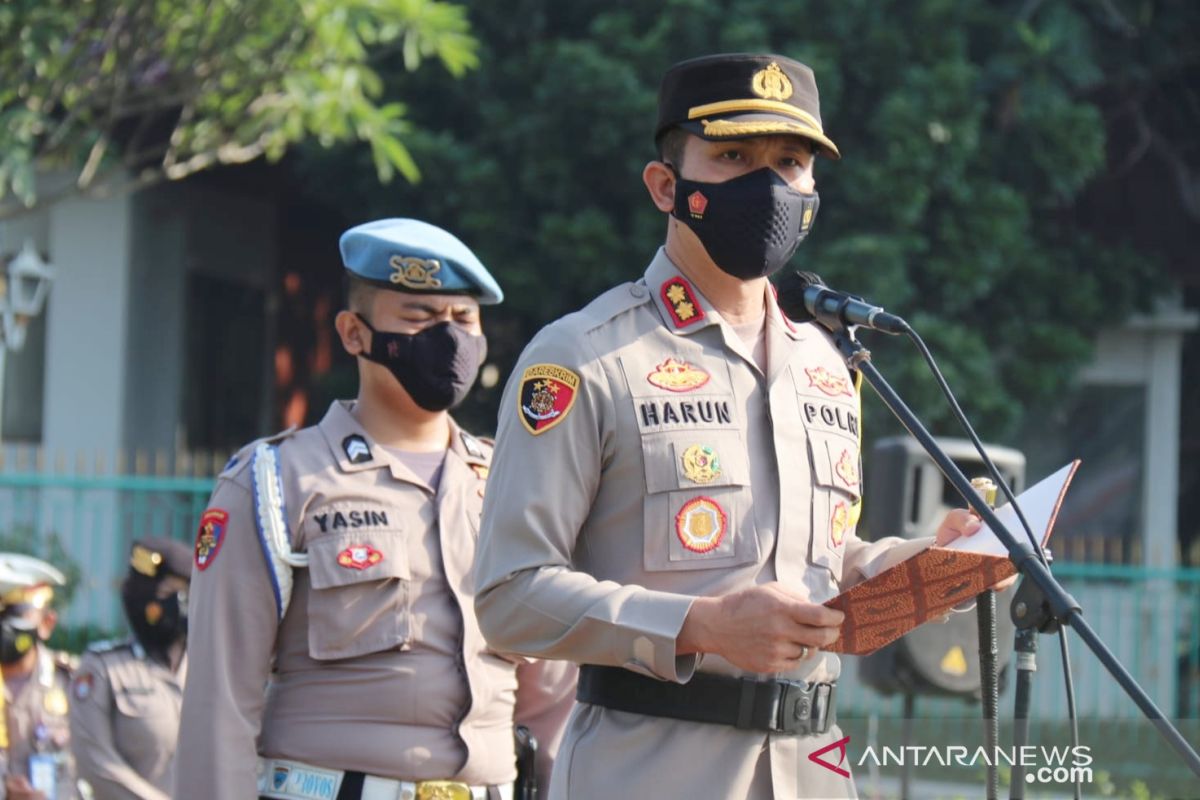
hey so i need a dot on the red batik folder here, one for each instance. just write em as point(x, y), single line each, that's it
point(928, 585)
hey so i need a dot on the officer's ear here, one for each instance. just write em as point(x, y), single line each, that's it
point(353, 333)
point(46, 626)
point(660, 182)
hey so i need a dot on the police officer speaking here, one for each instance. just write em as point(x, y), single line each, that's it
point(126, 695)
point(333, 568)
point(676, 481)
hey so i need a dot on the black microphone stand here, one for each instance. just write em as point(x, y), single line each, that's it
point(1053, 602)
point(1030, 623)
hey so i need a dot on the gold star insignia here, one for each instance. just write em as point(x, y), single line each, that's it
point(676, 294)
point(685, 310)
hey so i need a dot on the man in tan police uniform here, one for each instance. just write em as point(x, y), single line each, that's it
point(36, 738)
point(335, 562)
point(676, 481)
point(126, 696)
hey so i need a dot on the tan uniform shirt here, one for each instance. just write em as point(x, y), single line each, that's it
point(36, 708)
point(125, 721)
point(674, 468)
point(378, 664)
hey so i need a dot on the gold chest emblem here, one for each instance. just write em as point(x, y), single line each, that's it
point(847, 469)
point(771, 83)
point(700, 464)
point(415, 273)
point(676, 375)
point(55, 702)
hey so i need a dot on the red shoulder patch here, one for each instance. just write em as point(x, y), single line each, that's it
point(210, 537)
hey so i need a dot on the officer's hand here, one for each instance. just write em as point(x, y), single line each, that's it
point(963, 522)
point(18, 788)
point(762, 629)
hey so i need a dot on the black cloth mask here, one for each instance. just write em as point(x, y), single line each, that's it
point(17, 637)
point(750, 225)
point(157, 622)
point(437, 366)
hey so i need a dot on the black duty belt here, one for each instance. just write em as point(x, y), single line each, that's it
point(775, 706)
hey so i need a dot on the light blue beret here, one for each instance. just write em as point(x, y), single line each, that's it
point(413, 256)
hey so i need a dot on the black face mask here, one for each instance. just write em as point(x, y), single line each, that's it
point(750, 225)
point(157, 622)
point(17, 637)
point(436, 366)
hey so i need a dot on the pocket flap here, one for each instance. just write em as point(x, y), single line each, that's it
point(344, 559)
point(835, 462)
point(694, 460)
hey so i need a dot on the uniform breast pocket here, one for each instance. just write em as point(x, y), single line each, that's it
point(359, 599)
point(836, 493)
point(132, 701)
point(698, 509)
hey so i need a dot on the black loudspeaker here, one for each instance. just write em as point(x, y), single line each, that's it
point(907, 496)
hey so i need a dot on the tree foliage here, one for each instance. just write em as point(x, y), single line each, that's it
point(156, 89)
point(970, 131)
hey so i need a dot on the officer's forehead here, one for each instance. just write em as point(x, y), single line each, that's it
point(405, 301)
point(775, 141)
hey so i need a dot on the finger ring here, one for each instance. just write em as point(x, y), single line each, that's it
point(803, 652)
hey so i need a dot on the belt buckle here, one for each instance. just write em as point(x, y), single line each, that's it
point(796, 707)
point(443, 790)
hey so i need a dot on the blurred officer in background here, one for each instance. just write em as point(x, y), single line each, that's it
point(335, 563)
point(36, 737)
point(126, 696)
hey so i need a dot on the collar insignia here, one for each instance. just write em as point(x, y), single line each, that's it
point(356, 449)
point(827, 382)
point(771, 83)
point(681, 302)
point(415, 273)
point(676, 375)
point(471, 445)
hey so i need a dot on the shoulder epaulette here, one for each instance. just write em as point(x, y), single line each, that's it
point(243, 456)
point(615, 301)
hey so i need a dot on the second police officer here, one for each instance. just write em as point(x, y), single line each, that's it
point(333, 643)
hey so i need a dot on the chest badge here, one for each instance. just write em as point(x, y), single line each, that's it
point(359, 556)
point(681, 302)
point(847, 469)
point(55, 702)
point(838, 524)
point(210, 537)
point(701, 524)
point(700, 464)
point(547, 393)
point(675, 375)
point(827, 382)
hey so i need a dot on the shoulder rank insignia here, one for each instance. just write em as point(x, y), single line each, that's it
point(675, 375)
point(415, 273)
point(701, 524)
point(700, 464)
point(359, 556)
point(356, 449)
point(210, 537)
point(827, 382)
point(547, 393)
point(681, 302)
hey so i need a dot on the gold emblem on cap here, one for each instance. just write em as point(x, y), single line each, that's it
point(145, 561)
point(771, 83)
point(415, 273)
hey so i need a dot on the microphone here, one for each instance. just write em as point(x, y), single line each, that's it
point(804, 297)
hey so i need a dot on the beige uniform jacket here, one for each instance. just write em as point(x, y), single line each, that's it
point(665, 466)
point(36, 710)
point(125, 721)
point(378, 664)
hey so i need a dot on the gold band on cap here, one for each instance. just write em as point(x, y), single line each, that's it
point(145, 561)
point(727, 127)
point(751, 104)
point(36, 596)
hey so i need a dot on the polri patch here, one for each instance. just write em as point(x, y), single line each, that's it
point(676, 375)
point(81, 687)
point(701, 524)
point(356, 449)
point(827, 382)
point(210, 537)
point(547, 394)
point(681, 302)
point(359, 556)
